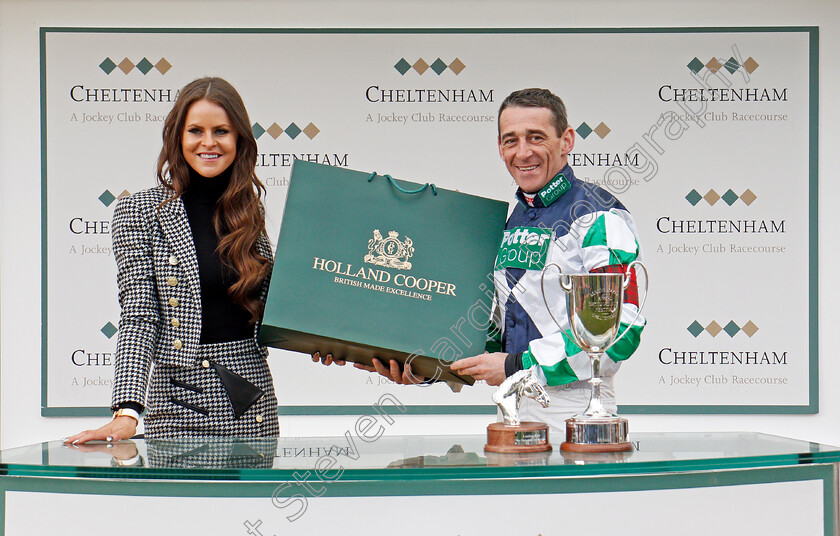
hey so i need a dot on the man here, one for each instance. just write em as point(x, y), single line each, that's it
point(559, 219)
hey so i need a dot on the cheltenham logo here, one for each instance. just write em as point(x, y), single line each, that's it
point(292, 131)
point(585, 130)
point(438, 66)
point(715, 64)
point(713, 197)
point(126, 66)
point(390, 252)
point(731, 329)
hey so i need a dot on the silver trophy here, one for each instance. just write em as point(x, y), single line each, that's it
point(593, 305)
point(508, 396)
point(514, 436)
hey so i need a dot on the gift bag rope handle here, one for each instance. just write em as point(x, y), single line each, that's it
point(403, 190)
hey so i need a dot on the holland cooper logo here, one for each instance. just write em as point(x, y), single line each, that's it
point(386, 252)
point(390, 252)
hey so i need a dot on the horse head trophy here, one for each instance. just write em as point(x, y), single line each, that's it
point(512, 435)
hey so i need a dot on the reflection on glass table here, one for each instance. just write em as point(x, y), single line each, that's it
point(401, 456)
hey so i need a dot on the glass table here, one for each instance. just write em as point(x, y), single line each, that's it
point(686, 483)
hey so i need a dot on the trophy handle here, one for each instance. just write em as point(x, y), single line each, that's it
point(641, 304)
point(565, 283)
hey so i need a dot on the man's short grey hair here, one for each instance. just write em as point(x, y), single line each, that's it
point(538, 98)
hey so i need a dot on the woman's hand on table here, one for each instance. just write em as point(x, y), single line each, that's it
point(119, 428)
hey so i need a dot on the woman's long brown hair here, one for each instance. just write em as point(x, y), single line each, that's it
point(239, 218)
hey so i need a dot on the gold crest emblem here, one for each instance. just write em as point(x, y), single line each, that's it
point(389, 252)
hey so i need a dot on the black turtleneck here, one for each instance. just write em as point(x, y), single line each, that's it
point(222, 320)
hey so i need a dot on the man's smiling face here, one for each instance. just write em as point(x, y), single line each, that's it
point(530, 146)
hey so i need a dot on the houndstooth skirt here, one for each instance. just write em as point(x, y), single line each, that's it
point(193, 402)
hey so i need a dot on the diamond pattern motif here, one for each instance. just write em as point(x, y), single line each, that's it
point(731, 328)
point(714, 65)
point(711, 197)
point(107, 65)
point(731, 65)
point(695, 65)
point(729, 197)
point(602, 130)
point(438, 66)
point(714, 329)
point(145, 66)
point(107, 198)
point(457, 66)
point(402, 66)
point(311, 131)
point(749, 328)
point(126, 66)
point(584, 130)
point(693, 197)
point(293, 130)
point(109, 330)
point(420, 66)
point(695, 328)
point(163, 66)
point(274, 130)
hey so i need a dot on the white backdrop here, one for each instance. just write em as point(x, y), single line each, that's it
point(716, 340)
point(19, 167)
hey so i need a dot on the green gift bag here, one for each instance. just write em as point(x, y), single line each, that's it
point(372, 267)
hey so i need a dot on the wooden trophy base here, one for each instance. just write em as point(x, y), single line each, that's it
point(596, 447)
point(527, 437)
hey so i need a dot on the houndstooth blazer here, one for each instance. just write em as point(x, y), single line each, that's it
point(159, 290)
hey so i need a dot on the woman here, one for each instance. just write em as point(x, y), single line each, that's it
point(193, 264)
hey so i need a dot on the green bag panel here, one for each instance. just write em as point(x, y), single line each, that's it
point(385, 271)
